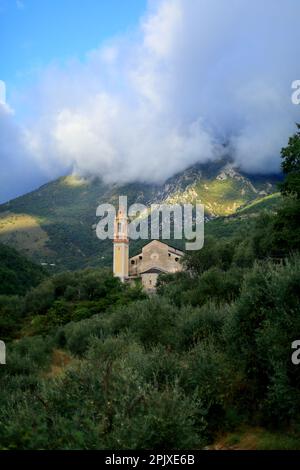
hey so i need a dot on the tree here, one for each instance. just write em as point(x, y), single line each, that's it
point(291, 166)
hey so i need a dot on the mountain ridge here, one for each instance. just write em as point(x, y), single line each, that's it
point(55, 224)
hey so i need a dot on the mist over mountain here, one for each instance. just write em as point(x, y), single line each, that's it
point(56, 224)
point(193, 77)
point(179, 330)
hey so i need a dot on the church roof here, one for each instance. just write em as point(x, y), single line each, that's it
point(175, 250)
point(171, 248)
point(154, 271)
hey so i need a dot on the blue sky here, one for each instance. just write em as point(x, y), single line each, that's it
point(36, 32)
point(136, 90)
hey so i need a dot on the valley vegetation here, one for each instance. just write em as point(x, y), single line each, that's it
point(56, 224)
point(94, 364)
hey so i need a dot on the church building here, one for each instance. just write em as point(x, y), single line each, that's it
point(155, 258)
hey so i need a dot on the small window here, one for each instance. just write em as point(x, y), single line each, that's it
point(132, 261)
point(169, 255)
point(176, 259)
point(140, 257)
point(150, 282)
point(119, 227)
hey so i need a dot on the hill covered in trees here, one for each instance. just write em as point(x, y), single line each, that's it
point(17, 273)
point(56, 223)
point(93, 364)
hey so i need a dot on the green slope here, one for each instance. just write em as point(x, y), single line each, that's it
point(244, 218)
point(56, 223)
point(269, 203)
point(17, 274)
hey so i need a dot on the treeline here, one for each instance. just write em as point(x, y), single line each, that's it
point(17, 273)
point(153, 375)
point(209, 354)
point(65, 297)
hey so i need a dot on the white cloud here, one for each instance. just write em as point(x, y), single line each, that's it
point(193, 76)
point(20, 5)
point(2, 92)
point(19, 170)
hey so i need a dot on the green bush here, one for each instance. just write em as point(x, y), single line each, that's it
point(151, 321)
point(17, 273)
point(215, 285)
point(213, 254)
point(28, 355)
point(159, 420)
point(207, 375)
point(11, 312)
point(77, 336)
point(197, 324)
point(259, 331)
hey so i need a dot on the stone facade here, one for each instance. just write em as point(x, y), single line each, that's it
point(155, 258)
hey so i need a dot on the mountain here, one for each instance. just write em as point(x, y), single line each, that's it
point(55, 225)
point(17, 273)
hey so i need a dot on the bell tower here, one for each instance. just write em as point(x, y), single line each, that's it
point(120, 243)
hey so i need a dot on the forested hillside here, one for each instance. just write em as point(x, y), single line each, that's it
point(56, 223)
point(93, 364)
point(17, 273)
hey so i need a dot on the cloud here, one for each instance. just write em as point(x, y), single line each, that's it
point(19, 170)
point(20, 5)
point(2, 92)
point(194, 76)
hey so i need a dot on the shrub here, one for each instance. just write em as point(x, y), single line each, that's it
point(151, 321)
point(208, 375)
point(11, 310)
point(197, 324)
point(215, 284)
point(213, 254)
point(158, 366)
point(259, 332)
point(40, 299)
point(160, 420)
point(28, 355)
point(78, 335)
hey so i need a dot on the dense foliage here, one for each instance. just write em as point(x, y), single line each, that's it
point(65, 297)
point(100, 365)
point(62, 213)
point(17, 273)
